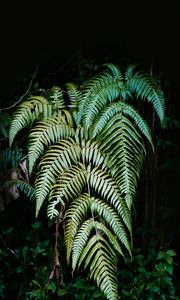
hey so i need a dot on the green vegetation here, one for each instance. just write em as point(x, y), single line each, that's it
point(84, 156)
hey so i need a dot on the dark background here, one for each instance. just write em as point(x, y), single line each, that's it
point(54, 36)
point(52, 33)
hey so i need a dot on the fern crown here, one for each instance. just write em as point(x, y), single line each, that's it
point(88, 156)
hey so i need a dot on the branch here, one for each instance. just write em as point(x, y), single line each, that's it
point(24, 95)
point(61, 69)
point(56, 272)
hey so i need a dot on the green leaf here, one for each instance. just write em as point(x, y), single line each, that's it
point(52, 286)
point(36, 283)
point(161, 255)
point(171, 253)
point(62, 292)
point(169, 259)
point(169, 269)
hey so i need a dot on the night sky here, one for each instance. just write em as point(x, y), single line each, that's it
point(50, 34)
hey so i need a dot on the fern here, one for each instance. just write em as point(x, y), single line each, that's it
point(120, 108)
point(46, 133)
point(26, 188)
point(55, 98)
point(62, 156)
point(74, 216)
point(27, 113)
point(74, 95)
point(90, 88)
point(116, 72)
point(10, 158)
point(146, 88)
point(101, 259)
point(84, 206)
point(88, 154)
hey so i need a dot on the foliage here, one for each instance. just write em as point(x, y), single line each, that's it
point(149, 276)
point(88, 147)
point(27, 260)
point(79, 289)
point(28, 264)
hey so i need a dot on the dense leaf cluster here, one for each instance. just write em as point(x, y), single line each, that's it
point(88, 155)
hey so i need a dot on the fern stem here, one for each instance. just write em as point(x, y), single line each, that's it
point(56, 272)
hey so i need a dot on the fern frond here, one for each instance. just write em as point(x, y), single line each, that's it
point(113, 221)
point(60, 157)
point(74, 217)
point(92, 153)
point(90, 88)
point(107, 187)
point(103, 230)
point(129, 71)
point(74, 95)
point(146, 88)
point(114, 70)
point(142, 125)
point(57, 159)
point(52, 211)
point(81, 240)
point(98, 101)
point(126, 147)
point(44, 134)
point(27, 113)
point(10, 158)
point(77, 212)
point(71, 182)
point(55, 97)
point(102, 262)
point(67, 186)
point(120, 108)
point(26, 188)
point(114, 128)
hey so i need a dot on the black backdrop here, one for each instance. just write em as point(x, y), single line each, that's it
point(49, 33)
